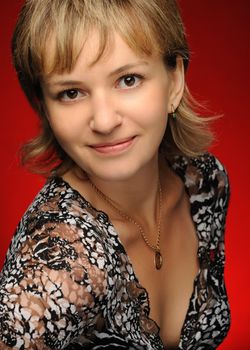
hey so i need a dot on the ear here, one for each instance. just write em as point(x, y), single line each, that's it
point(177, 77)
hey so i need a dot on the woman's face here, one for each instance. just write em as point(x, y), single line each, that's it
point(110, 117)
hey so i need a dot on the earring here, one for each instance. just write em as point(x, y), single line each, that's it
point(172, 114)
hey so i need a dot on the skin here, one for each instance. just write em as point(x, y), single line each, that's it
point(110, 118)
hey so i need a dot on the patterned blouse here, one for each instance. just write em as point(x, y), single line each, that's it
point(67, 282)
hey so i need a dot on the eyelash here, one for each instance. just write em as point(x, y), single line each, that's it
point(61, 94)
point(134, 75)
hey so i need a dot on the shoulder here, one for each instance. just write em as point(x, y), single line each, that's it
point(55, 266)
point(203, 176)
point(57, 226)
point(59, 203)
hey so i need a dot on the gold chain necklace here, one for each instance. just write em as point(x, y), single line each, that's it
point(158, 260)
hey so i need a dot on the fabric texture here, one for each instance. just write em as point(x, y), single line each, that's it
point(67, 282)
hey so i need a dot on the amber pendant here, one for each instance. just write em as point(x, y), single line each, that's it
point(158, 260)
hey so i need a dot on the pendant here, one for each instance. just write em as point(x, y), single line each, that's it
point(158, 260)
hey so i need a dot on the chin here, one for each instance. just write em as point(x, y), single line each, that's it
point(114, 174)
point(121, 168)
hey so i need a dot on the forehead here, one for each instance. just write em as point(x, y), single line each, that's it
point(115, 50)
point(93, 52)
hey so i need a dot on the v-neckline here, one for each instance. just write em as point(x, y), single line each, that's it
point(118, 240)
point(137, 280)
point(196, 279)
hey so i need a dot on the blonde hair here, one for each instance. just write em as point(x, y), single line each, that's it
point(147, 27)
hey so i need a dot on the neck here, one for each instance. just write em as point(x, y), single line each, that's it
point(131, 219)
point(136, 196)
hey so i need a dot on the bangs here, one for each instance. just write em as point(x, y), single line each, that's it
point(56, 42)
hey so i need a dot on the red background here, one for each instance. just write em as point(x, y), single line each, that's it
point(218, 33)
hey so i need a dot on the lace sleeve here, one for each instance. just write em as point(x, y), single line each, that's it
point(223, 187)
point(222, 195)
point(51, 287)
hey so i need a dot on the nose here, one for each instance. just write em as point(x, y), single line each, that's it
point(105, 118)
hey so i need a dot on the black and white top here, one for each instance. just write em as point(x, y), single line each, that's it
point(67, 282)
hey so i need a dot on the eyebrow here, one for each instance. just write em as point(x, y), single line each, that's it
point(127, 67)
point(65, 82)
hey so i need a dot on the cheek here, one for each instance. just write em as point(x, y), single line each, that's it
point(152, 108)
point(65, 122)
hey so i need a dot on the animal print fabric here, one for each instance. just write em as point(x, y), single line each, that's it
point(67, 282)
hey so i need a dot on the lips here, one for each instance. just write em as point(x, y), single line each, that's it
point(113, 147)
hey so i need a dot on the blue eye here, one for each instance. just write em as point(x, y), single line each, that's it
point(70, 95)
point(129, 81)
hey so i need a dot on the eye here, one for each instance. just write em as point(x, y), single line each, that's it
point(70, 95)
point(129, 81)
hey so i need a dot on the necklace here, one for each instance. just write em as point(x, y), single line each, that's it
point(158, 260)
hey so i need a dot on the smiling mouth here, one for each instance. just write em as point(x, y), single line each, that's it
point(113, 147)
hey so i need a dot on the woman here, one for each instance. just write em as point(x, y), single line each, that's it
point(124, 245)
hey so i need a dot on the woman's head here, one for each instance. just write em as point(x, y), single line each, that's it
point(50, 35)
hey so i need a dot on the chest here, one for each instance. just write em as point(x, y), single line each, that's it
point(170, 288)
